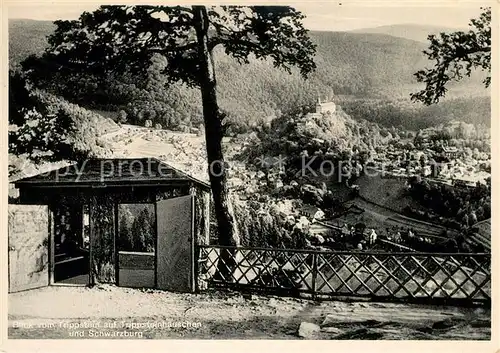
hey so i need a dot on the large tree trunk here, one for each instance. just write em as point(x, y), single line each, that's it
point(213, 135)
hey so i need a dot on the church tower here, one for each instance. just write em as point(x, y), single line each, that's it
point(318, 105)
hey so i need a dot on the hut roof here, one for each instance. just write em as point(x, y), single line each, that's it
point(112, 171)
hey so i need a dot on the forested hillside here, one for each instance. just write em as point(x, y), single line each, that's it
point(401, 113)
point(27, 37)
point(46, 128)
point(415, 32)
point(371, 74)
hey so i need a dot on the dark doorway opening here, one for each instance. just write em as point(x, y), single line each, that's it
point(71, 245)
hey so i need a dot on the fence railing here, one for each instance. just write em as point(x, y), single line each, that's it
point(393, 276)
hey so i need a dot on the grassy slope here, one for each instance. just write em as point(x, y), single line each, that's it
point(387, 192)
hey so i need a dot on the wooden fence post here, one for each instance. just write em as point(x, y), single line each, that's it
point(92, 239)
point(314, 274)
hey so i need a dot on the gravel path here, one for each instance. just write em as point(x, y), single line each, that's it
point(113, 312)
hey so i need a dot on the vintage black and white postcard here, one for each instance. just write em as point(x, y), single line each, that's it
point(238, 171)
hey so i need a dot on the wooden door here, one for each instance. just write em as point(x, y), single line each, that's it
point(28, 242)
point(175, 230)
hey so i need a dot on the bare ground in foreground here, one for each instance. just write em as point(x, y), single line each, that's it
point(110, 311)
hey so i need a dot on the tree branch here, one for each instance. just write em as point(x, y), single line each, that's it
point(160, 50)
point(455, 55)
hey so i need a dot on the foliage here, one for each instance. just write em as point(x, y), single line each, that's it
point(102, 241)
point(329, 137)
point(27, 37)
point(136, 230)
point(125, 239)
point(348, 63)
point(456, 55)
point(94, 65)
point(123, 39)
point(115, 39)
point(465, 205)
point(352, 64)
point(473, 141)
point(46, 128)
point(43, 137)
point(262, 225)
point(36, 131)
point(409, 116)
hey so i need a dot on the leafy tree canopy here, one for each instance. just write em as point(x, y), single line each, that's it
point(46, 128)
point(455, 55)
point(117, 39)
point(34, 131)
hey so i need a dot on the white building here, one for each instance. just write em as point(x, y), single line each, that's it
point(326, 107)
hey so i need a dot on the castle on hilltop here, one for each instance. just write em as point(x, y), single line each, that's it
point(325, 107)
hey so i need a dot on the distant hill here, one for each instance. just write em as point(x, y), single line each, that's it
point(414, 32)
point(472, 110)
point(350, 64)
point(27, 37)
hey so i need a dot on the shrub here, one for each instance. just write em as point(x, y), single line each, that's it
point(262, 225)
point(122, 116)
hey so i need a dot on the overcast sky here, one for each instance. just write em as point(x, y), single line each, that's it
point(331, 16)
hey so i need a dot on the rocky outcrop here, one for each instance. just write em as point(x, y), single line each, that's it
point(308, 330)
